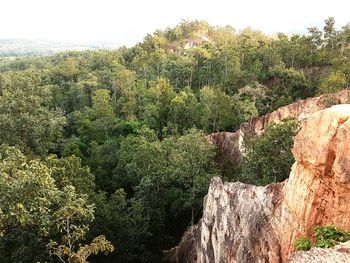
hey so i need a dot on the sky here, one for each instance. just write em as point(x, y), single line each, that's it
point(127, 22)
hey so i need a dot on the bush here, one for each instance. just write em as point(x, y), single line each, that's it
point(303, 244)
point(329, 236)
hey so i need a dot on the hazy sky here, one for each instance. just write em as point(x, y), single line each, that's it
point(127, 22)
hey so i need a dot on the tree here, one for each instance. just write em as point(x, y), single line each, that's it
point(244, 110)
point(96, 123)
point(158, 107)
point(169, 177)
point(33, 210)
point(223, 69)
point(133, 164)
point(25, 120)
point(259, 99)
point(268, 157)
point(70, 171)
point(217, 110)
point(290, 83)
point(124, 221)
point(72, 219)
point(193, 167)
point(330, 33)
point(335, 81)
point(198, 57)
point(126, 105)
point(315, 37)
point(185, 110)
point(101, 104)
point(102, 160)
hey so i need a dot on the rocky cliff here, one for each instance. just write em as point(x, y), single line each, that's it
point(230, 143)
point(246, 223)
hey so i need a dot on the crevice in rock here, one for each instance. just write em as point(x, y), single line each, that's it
point(331, 149)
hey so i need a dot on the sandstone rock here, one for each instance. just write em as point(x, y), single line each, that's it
point(318, 192)
point(238, 223)
point(246, 223)
point(186, 251)
point(338, 254)
point(230, 143)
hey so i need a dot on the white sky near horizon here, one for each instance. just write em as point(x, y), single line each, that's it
point(127, 22)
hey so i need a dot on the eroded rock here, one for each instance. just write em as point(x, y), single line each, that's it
point(239, 222)
point(338, 254)
point(318, 190)
point(231, 143)
point(246, 223)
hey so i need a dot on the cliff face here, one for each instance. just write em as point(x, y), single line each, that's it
point(230, 143)
point(246, 223)
point(318, 189)
point(238, 223)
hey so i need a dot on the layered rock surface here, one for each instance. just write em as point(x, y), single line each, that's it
point(246, 223)
point(230, 143)
point(318, 189)
point(338, 254)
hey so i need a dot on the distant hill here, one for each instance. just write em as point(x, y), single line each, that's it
point(14, 47)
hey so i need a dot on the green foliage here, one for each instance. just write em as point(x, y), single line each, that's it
point(124, 222)
point(252, 101)
point(217, 110)
point(25, 120)
point(290, 83)
point(335, 81)
point(72, 220)
point(33, 206)
point(326, 237)
point(268, 157)
point(158, 107)
point(69, 171)
point(171, 181)
point(101, 104)
point(27, 190)
point(185, 111)
point(303, 244)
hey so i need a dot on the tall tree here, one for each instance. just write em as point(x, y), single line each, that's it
point(33, 210)
point(25, 118)
point(158, 108)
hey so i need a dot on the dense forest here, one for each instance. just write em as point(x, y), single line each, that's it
point(105, 151)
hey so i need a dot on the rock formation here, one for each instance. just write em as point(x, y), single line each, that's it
point(318, 189)
point(246, 223)
point(230, 143)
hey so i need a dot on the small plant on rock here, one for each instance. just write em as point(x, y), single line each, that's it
point(303, 244)
point(326, 237)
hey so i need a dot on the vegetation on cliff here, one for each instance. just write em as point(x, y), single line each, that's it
point(325, 237)
point(268, 158)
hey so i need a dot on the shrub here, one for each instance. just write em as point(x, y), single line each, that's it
point(329, 236)
point(303, 244)
point(326, 237)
